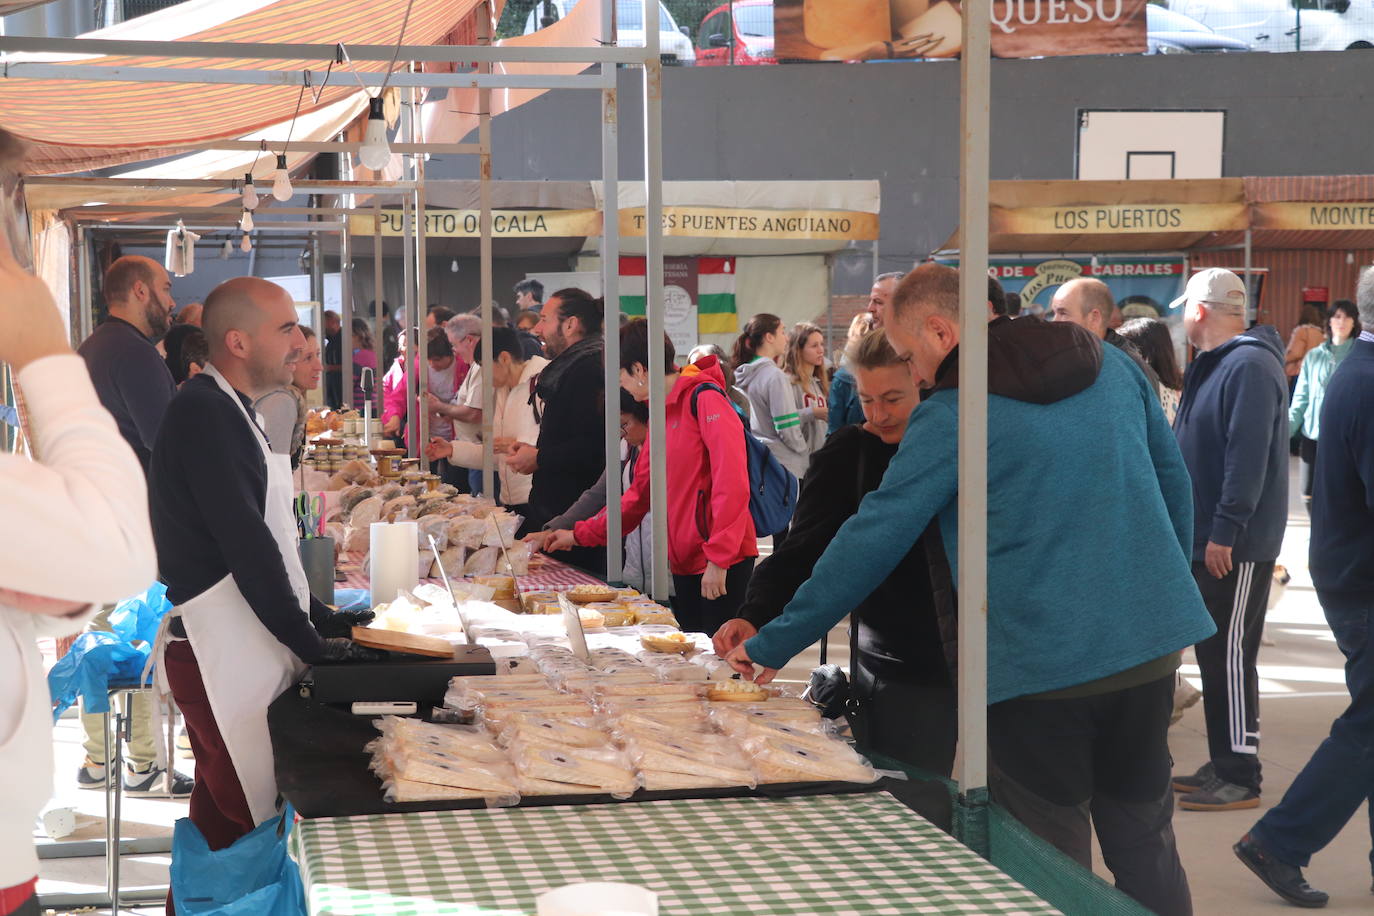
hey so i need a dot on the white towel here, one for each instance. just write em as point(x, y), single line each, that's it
point(181, 251)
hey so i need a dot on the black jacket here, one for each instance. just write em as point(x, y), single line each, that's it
point(572, 446)
point(896, 631)
point(1343, 498)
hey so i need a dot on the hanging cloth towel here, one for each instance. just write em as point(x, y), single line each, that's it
point(181, 251)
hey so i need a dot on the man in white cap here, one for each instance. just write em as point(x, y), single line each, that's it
point(1231, 429)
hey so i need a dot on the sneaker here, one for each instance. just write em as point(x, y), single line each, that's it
point(1186, 696)
point(1204, 775)
point(1220, 795)
point(90, 775)
point(1283, 879)
point(150, 784)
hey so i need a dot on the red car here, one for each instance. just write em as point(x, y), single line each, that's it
point(744, 38)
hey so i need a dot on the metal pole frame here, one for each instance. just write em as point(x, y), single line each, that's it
point(610, 289)
point(484, 37)
point(480, 57)
point(653, 263)
point(975, 78)
point(420, 405)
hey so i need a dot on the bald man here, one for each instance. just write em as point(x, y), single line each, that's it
point(245, 625)
point(1089, 303)
point(190, 314)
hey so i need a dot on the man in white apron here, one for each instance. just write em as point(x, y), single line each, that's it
point(244, 625)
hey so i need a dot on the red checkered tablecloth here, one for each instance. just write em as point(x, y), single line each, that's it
point(550, 575)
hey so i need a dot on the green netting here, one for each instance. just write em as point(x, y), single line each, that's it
point(997, 836)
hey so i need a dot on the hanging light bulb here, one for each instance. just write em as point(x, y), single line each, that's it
point(226, 251)
point(1350, 257)
point(375, 152)
point(454, 266)
point(247, 244)
point(281, 184)
point(250, 193)
point(246, 222)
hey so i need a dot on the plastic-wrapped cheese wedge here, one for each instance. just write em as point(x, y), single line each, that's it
point(607, 770)
point(442, 770)
point(650, 689)
point(408, 790)
point(562, 732)
point(660, 707)
point(664, 781)
point(458, 740)
point(734, 719)
point(693, 755)
point(782, 761)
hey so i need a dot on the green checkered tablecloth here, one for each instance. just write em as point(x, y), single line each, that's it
point(827, 855)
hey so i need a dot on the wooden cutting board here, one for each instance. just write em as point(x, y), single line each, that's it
point(410, 643)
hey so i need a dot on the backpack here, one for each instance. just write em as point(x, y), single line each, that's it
point(772, 488)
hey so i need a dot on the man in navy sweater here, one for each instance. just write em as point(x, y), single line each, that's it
point(1340, 776)
point(1232, 429)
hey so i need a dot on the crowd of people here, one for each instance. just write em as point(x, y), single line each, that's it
point(1191, 468)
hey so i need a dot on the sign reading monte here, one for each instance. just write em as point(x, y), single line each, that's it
point(858, 30)
point(1314, 216)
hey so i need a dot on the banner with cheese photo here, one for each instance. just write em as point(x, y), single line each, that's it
point(861, 30)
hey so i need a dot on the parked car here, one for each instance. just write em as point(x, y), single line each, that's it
point(746, 37)
point(674, 41)
point(1170, 32)
point(1279, 25)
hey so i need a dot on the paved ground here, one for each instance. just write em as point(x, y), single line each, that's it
point(1303, 691)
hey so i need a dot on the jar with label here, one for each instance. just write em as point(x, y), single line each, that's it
point(836, 23)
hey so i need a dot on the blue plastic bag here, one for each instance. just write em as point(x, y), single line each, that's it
point(352, 599)
point(253, 877)
point(98, 658)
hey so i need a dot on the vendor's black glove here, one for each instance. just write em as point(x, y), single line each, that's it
point(341, 623)
point(339, 649)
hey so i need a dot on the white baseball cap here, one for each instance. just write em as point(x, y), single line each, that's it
point(1215, 284)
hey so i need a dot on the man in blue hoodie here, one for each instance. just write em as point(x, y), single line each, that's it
point(1340, 776)
point(1232, 428)
point(1080, 668)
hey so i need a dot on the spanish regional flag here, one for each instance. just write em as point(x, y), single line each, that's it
point(709, 282)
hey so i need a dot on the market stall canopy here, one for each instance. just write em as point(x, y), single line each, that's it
point(1320, 212)
point(1071, 216)
point(721, 218)
point(750, 217)
point(75, 125)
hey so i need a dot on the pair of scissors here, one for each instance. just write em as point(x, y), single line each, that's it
point(309, 514)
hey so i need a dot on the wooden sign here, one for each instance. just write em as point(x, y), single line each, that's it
point(1314, 216)
point(860, 30)
point(1116, 219)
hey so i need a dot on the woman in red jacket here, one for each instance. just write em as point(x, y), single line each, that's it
point(711, 540)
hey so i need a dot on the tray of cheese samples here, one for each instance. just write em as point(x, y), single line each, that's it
point(623, 726)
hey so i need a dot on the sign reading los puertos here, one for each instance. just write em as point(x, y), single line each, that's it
point(1074, 219)
point(858, 30)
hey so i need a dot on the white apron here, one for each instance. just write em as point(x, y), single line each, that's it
point(243, 666)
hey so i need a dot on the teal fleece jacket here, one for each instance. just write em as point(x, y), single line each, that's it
point(1090, 514)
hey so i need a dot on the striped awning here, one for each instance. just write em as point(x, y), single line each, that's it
point(77, 125)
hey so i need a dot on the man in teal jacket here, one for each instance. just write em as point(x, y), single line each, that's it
point(1080, 666)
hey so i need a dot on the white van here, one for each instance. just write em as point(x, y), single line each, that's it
point(674, 42)
point(1279, 25)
